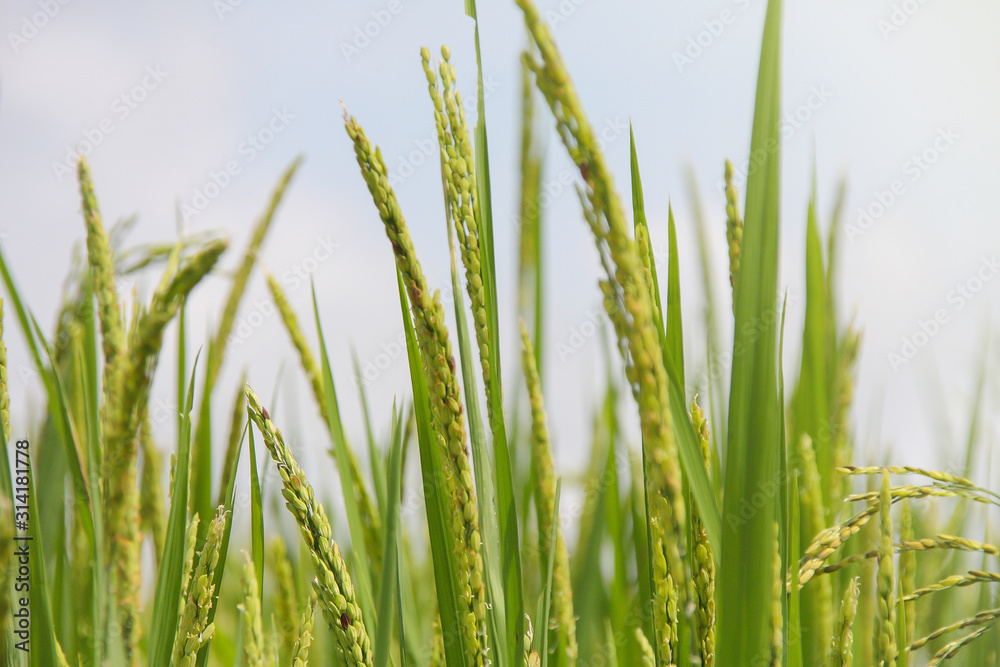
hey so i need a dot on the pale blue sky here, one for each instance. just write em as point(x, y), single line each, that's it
point(198, 84)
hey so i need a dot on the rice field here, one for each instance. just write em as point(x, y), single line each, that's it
point(742, 526)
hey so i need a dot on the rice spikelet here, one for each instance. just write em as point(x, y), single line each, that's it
point(102, 271)
point(193, 629)
point(628, 303)
point(459, 176)
point(254, 649)
point(734, 228)
point(907, 570)
point(455, 476)
point(841, 653)
point(704, 561)
point(886, 648)
point(817, 599)
point(646, 654)
point(563, 618)
point(303, 634)
point(986, 618)
point(285, 601)
point(122, 432)
point(333, 583)
point(949, 650)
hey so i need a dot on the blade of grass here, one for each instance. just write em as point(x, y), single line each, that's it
point(22, 313)
point(71, 442)
point(362, 568)
point(506, 506)
point(545, 604)
point(256, 518)
point(44, 647)
point(442, 555)
point(389, 590)
point(675, 329)
point(639, 221)
point(673, 360)
point(87, 363)
point(485, 489)
point(619, 582)
point(169, 579)
point(811, 403)
point(227, 499)
point(375, 460)
point(714, 374)
point(752, 454)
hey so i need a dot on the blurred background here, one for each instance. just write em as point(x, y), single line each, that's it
point(189, 112)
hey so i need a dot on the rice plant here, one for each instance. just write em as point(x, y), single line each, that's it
point(741, 528)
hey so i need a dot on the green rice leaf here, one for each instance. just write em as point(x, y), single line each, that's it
point(442, 555)
point(375, 460)
point(812, 406)
point(486, 496)
point(256, 518)
point(362, 567)
point(546, 601)
point(170, 576)
point(44, 647)
point(675, 329)
point(389, 589)
point(506, 506)
point(753, 452)
point(228, 500)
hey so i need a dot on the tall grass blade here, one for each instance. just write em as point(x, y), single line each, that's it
point(43, 647)
point(256, 518)
point(362, 564)
point(442, 554)
point(753, 452)
point(506, 506)
point(672, 344)
point(481, 465)
point(169, 578)
point(546, 602)
point(227, 499)
point(389, 588)
point(811, 411)
point(674, 326)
